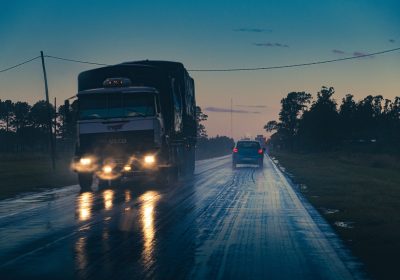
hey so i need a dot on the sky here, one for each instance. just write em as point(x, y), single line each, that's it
point(208, 35)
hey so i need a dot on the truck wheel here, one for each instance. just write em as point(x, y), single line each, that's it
point(85, 180)
point(162, 178)
point(191, 162)
point(166, 176)
point(173, 175)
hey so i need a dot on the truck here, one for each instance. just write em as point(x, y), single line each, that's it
point(135, 119)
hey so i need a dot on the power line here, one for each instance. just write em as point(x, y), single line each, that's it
point(294, 65)
point(223, 69)
point(75, 60)
point(251, 68)
point(19, 64)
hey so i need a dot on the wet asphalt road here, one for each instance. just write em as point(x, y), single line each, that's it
point(223, 224)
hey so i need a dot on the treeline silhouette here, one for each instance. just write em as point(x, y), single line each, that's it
point(369, 124)
point(214, 147)
point(209, 147)
point(25, 128)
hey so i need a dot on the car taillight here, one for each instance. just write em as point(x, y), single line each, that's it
point(260, 151)
point(235, 150)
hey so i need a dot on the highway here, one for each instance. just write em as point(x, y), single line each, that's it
point(222, 224)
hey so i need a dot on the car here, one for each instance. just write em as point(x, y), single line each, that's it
point(247, 152)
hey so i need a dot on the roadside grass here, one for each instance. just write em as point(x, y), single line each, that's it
point(31, 173)
point(365, 188)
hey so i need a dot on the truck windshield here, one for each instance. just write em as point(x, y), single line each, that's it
point(116, 105)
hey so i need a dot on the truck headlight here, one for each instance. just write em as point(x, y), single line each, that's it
point(107, 169)
point(149, 159)
point(127, 168)
point(85, 161)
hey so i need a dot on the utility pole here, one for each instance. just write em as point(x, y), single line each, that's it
point(231, 118)
point(55, 124)
point(49, 116)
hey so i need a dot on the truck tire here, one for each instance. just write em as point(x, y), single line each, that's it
point(190, 162)
point(166, 176)
point(85, 180)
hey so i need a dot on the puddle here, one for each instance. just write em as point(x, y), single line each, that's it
point(328, 211)
point(347, 225)
point(303, 187)
point(290, 175)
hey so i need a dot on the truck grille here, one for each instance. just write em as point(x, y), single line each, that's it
point(117, 144)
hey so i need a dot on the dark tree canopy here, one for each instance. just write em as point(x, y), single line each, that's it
point(324, 126)
point(201, 117)
point(293, 105)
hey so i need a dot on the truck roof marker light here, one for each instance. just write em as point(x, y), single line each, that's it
point(117, 82)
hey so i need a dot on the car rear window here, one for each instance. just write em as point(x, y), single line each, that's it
point(248, 144)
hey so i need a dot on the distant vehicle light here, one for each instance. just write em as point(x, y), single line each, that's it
point(127, 168)
point(235, 150)
point(260, 151)
point(117, 82)
point(149, 159)
point(85, 161)
point(107, 169)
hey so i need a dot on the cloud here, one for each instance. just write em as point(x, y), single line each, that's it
point(227, 110)
point(355, 53)
point(336, 51)
point(392, 40)
point(252, 106)
point(269, 44)
point(254, 30)
point(358, 53)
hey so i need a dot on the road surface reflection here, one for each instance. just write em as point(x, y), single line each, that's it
point(85, 202)
point(81, 254)
point(147, 216)
point(108, 199)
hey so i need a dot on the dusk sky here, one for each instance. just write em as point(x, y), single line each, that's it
point(208, 35)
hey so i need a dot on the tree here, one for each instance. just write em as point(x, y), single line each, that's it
point(293, 105)
point(39, 115)
point(6, 112)
point(271, 126)
point(21, 115)
point(319, 126)
point(201, 117)
point(347, 113)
